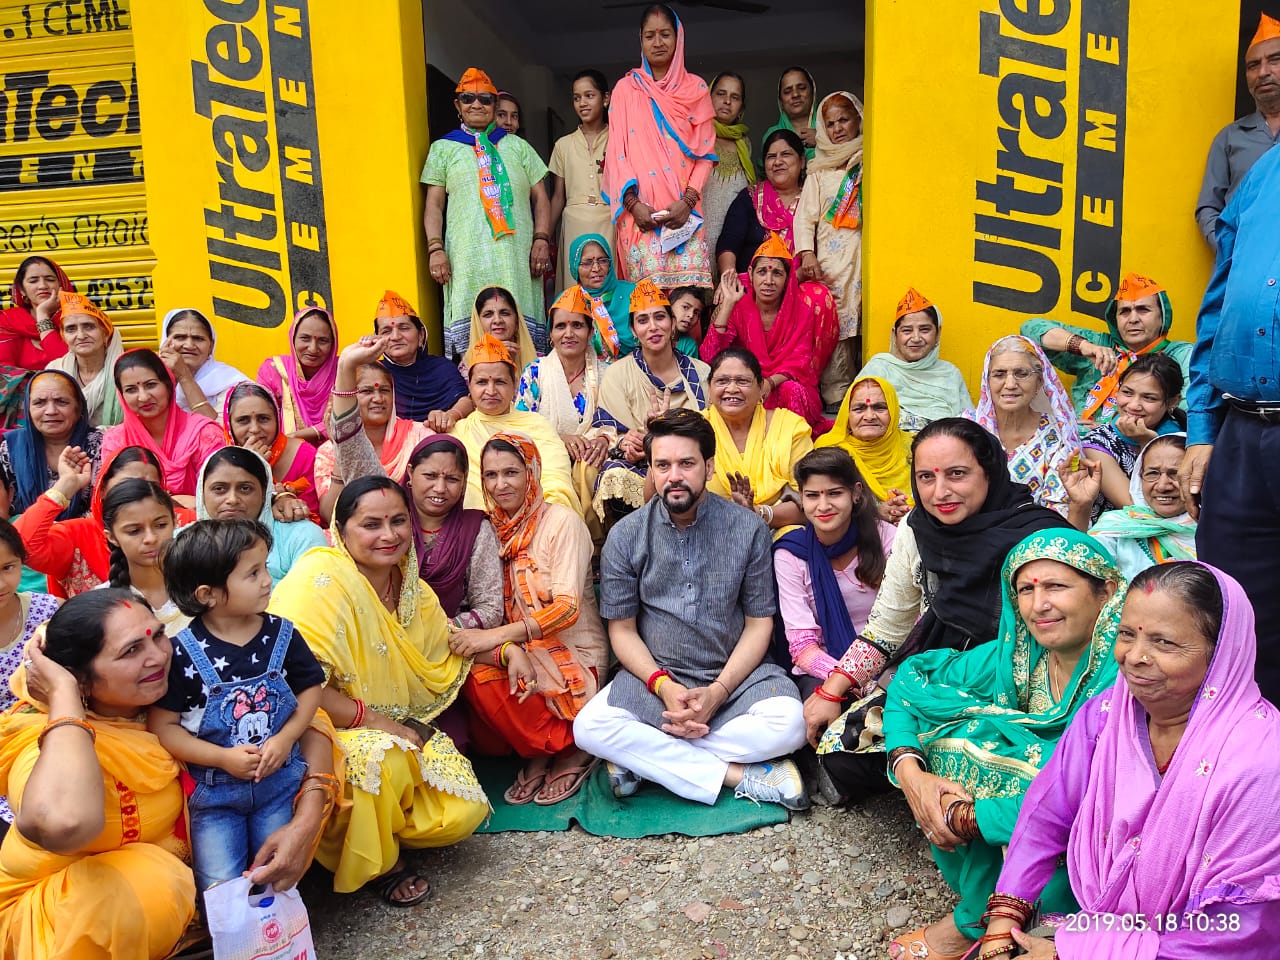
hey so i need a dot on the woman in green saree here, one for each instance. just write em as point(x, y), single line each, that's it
point(967, 731)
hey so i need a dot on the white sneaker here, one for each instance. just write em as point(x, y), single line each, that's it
point(622, 781)
point(776, 782)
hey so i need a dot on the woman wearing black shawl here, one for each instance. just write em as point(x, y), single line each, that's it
point(941, 589)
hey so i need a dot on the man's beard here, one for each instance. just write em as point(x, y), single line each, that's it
point(679, 497)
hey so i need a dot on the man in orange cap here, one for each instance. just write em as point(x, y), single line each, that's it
point(1239, 145)
point(1138, 322)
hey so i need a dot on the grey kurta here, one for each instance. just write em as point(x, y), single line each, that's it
point(690, 592)
point(1235, 149)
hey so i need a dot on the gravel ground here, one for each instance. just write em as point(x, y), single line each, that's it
point(834, 884)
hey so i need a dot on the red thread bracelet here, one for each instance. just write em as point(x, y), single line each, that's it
point(653, 678)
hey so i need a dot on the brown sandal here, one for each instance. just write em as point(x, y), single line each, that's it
point(528, 786)
point(581, 772)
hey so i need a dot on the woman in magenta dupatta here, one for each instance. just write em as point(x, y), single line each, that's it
point(146, 390)
point(796, 346)
point(661, 150)
point(1172, 860)
point(302, 379)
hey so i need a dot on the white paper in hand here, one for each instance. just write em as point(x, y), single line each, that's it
point(673, 237)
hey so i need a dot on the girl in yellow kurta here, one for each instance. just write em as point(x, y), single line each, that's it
point(401, 795)
point(128, 895)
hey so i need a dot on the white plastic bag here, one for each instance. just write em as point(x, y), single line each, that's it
point(251, 922)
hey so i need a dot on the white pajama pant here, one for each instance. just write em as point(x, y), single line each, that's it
point(693, 769)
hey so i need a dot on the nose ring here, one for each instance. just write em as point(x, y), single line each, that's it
point(1145, 659)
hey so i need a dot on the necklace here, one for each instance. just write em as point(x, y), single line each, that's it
point(391, 589)
point(1055, 689)
point(579, 375)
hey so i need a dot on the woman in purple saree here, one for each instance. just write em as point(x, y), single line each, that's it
point(1162, 794)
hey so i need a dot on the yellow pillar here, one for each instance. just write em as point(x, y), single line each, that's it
point(1022, 155)
point(283, 148)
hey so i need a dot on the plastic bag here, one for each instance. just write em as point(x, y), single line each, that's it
point(252, 922)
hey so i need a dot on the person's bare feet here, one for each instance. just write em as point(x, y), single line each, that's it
point(558, 783)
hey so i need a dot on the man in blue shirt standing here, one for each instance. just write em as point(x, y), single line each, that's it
point(1233, 408)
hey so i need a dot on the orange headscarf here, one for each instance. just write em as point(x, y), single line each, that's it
point(913, 301)
point(574, 300)
point(393, 305)
point(1135, 286)
point(71, 302)
point(1268, 29)
point(489, 349)
point(562, 679)
point(773, 246)
point(475, 80)
point(648, 295)
point(515, 531)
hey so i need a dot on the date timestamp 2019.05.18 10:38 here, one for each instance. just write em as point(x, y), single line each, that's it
point(1084, 922)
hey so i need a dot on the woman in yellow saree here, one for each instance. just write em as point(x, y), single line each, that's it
point(756, 449)
point(380, 634)
point(94, 865)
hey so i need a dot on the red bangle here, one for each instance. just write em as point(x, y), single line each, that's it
point(847, 675)
point(825, 695)
point(653, 678)
point(358, 719)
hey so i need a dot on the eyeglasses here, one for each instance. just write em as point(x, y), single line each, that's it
point(486, 99)
point(374, 392)
point(742, 382)
point(1020, 375)
point(592, 264)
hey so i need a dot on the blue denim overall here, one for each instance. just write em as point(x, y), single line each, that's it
point(231, 818)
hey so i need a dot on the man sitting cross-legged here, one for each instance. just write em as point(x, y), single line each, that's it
point(687, 589)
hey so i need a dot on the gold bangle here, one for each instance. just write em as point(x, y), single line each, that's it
point(58, 497)
point(202, 403)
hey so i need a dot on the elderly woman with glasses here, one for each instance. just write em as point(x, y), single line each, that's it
point(490, 180)
point(1025, 405)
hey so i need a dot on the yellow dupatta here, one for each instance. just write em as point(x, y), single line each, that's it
point(400, 663)
point(770, 455)
point(134, 768)
point(885, 464)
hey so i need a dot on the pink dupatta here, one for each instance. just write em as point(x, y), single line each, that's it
point(188, 440)
point(1202, 834)
point(802, 337)
point(649, 114)
point(303, 401)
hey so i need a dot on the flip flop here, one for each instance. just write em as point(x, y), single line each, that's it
point(388, 883)
point(580, 772)
point(529, 786)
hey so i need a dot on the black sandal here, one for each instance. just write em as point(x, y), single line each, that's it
point(389, 882)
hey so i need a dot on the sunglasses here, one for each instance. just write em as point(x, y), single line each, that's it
point(486, 99)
